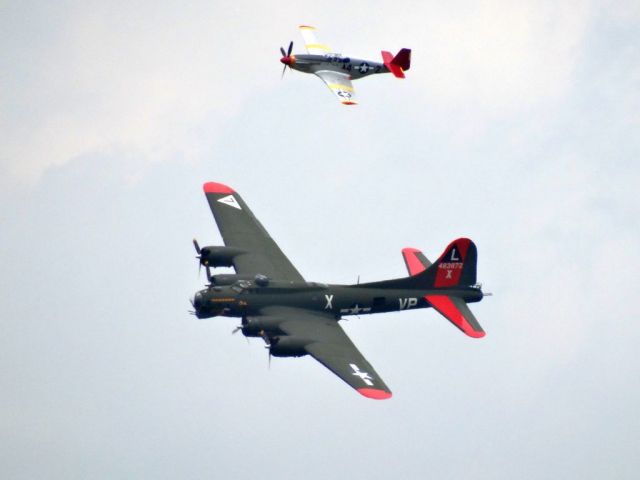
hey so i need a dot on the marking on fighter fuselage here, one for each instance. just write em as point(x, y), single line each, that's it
point(364, 67)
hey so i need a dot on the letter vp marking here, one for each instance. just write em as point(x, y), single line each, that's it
point(407, 303)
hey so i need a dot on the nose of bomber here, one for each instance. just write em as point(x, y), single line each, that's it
point(197, 301)
point(288, 60)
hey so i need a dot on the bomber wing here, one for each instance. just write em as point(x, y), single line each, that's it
point(241, 229)
point(311, 43)
point(330, 345)
point(340, 85)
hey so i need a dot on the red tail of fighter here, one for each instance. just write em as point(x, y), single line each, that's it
point(398, 64)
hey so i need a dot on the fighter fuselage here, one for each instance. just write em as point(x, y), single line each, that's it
point(354, 67)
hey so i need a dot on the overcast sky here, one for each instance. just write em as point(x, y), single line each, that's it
point(516, 126)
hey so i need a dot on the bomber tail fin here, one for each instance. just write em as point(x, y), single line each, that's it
point(447, 284)
point(398, 64)
point(456, 267)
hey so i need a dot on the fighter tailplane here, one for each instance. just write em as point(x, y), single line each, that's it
point(399, 64)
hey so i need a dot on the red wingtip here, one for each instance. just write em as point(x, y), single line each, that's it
point(374, 393)
point(349, 102)
point(212, 187)
point(475, 334)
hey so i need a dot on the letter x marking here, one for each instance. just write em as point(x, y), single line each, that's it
point(329, 305)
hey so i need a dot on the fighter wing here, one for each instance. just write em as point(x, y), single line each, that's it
point(340, 84)
point(240, 229)
point(311, 43)
point(331, 346)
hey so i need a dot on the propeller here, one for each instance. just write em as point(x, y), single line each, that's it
point(286, 58)
point(236, 330)
point(268, 347)
point(199, 256)
point(208, 270)
point(202, 261)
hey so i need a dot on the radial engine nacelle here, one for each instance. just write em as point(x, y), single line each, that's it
point(288, 346)
point(260, 326)
point(218, 256)
point(223, 279)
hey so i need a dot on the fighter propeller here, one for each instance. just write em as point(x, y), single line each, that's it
point(286, 58)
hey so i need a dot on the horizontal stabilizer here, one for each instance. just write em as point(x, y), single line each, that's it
point(415, 260)
point(456, 311)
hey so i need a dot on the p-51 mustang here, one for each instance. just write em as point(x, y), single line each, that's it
point(336, 70)
point(295, 317)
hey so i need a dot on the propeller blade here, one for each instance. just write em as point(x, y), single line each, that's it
point(284, 54)
point(268, 347)
point(208, 270)
point(283, 70)
point(236, 330)
point(290, 48)
point(195, 244)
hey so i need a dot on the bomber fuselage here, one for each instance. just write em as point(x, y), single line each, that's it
point(246, 298)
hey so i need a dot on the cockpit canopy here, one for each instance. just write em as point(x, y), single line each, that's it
point(241, 286)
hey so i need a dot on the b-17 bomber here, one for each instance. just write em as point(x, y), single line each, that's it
point(295, 317)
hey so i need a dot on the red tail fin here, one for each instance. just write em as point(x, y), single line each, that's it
point(398, 64)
